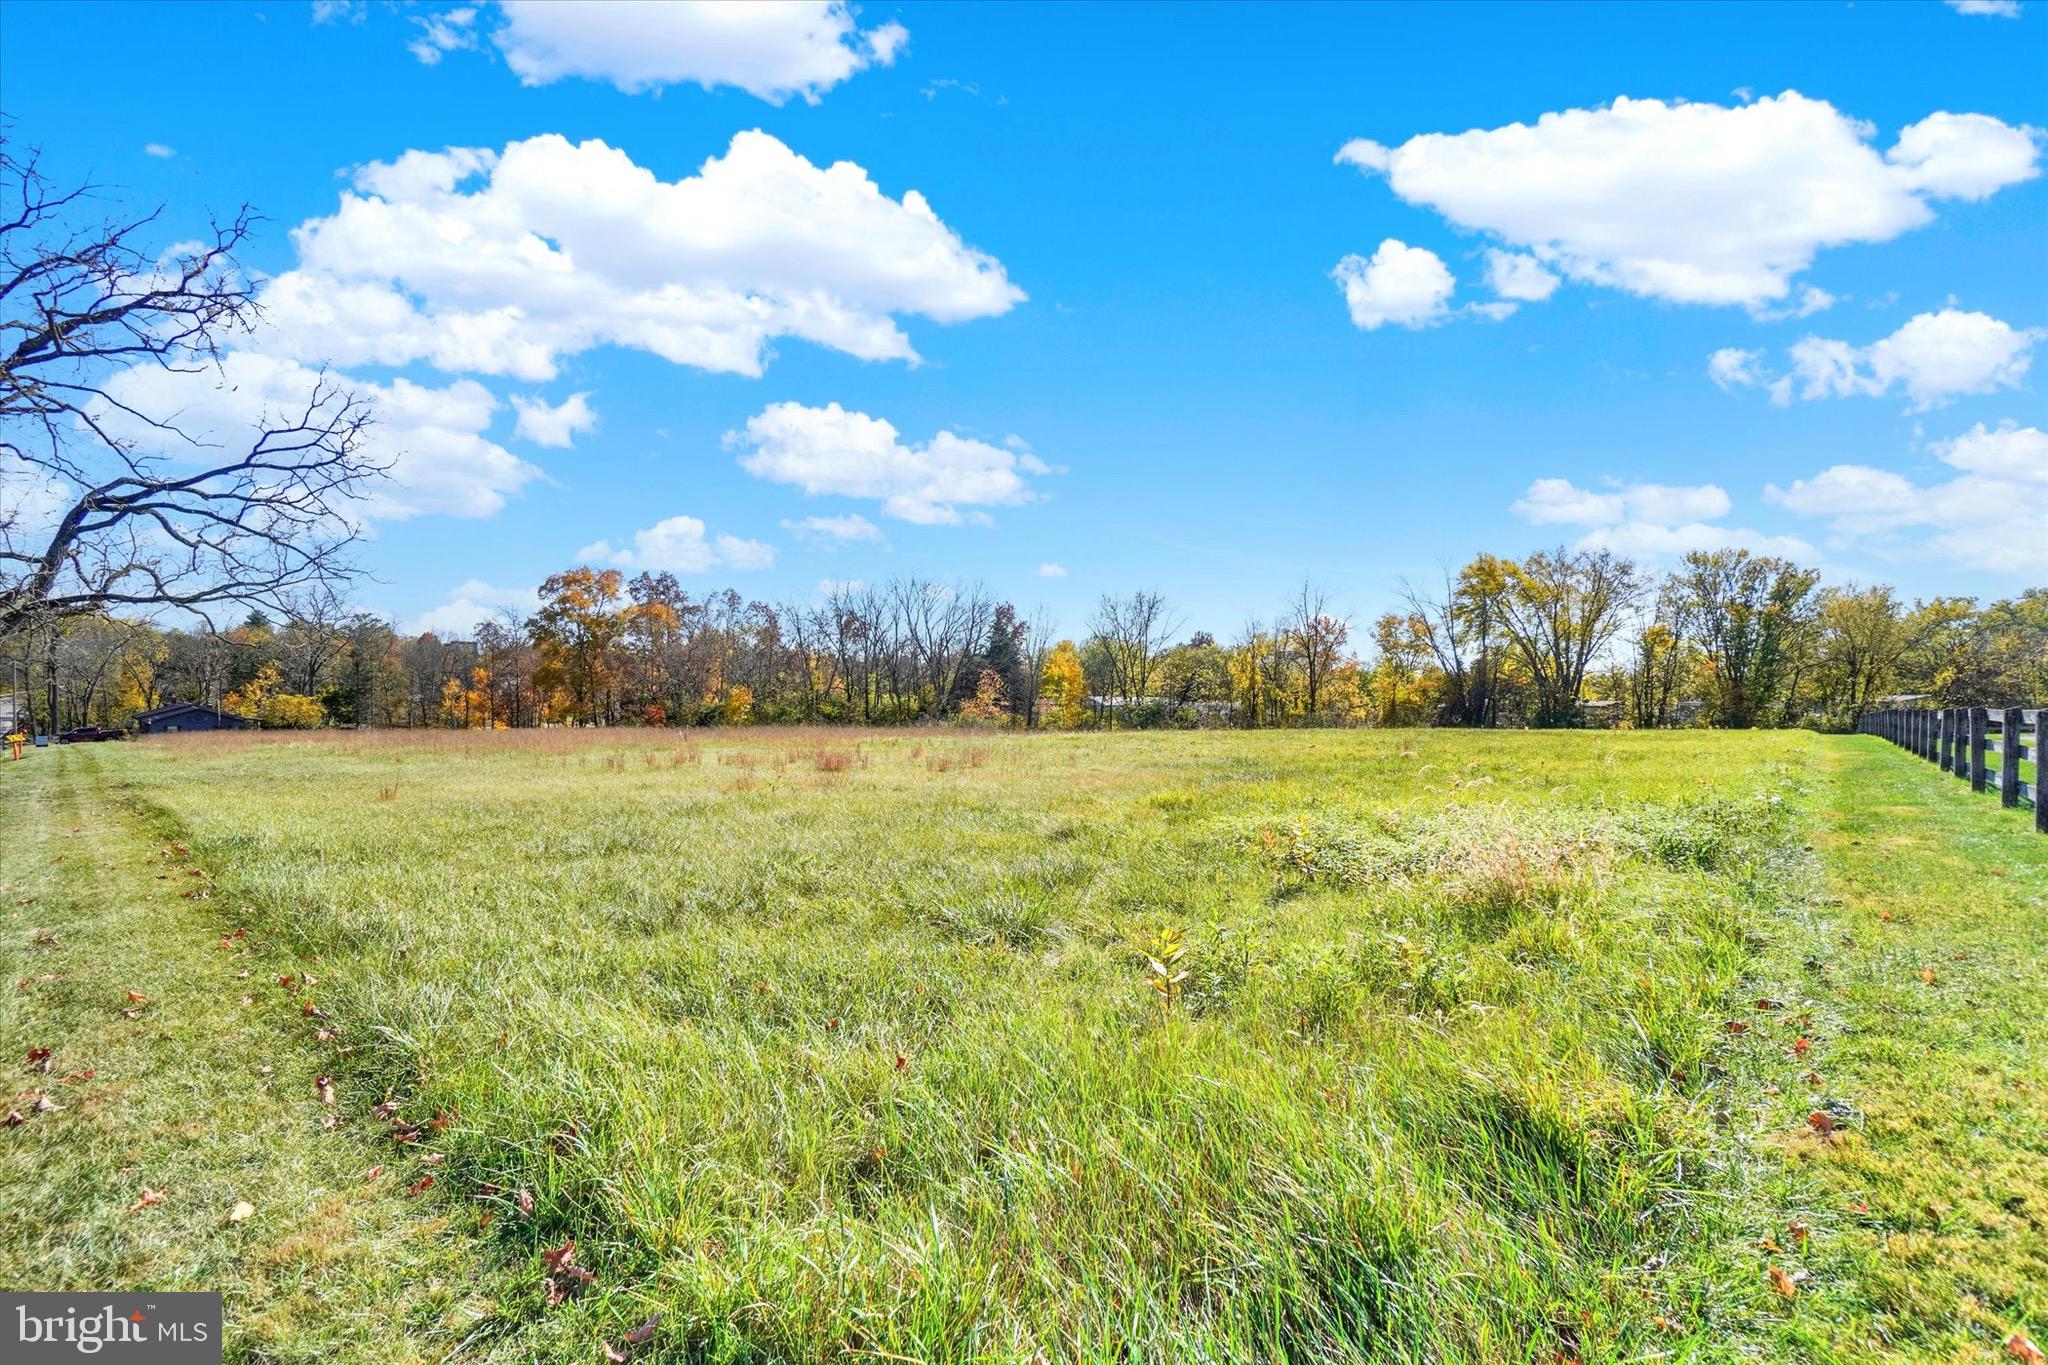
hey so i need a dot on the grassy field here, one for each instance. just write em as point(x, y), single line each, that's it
point(1305, 1046)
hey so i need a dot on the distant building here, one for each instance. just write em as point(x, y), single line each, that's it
point(186, 716)
point(1901, 700)
point(1602, 715)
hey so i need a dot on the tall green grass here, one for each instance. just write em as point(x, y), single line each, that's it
point(850, 1047)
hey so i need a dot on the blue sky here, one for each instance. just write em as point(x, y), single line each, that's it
point(1196, 404)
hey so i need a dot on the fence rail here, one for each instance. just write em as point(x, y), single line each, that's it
point(1984, 746)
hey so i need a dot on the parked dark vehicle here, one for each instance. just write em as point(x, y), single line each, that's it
point(89, 734)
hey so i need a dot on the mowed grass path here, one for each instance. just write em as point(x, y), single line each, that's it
point(1934, 1201)
point(829, 1044)
point(137, 1006)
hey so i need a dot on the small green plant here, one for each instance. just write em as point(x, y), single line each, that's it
point(1166, 954)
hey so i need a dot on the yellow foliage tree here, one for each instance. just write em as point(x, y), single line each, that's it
point(1064, 685)
point(247, 700)
point(578, 630)
point(1250, 664)
point(467, 708)
point(738, 707)
point(291, 711)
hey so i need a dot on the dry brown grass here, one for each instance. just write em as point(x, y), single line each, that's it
point(828, 760)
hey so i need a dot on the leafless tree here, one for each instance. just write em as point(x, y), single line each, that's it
point(941, 625)
point(1133, 630)
point(1317, 636)
point(1040, 635)
point(314, 633)
point(106, 506)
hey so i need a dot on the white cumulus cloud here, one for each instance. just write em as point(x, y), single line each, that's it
point(1402, 284)
point(432, 438)
point(1993, 9)
point(440, 33)
point(471, 604)
point(503, 262)
point(1698, 203)
point(557, 425)
point(1553, 501)
point(1052, 571)
point(1649, 520)
point(1990, 515)
point(1513, 275)
point(1932, 359)
point(32, 503)
point(680, 545)
point(833, 532)
point(830, 450)
point(1732, 367)
point(770, 50)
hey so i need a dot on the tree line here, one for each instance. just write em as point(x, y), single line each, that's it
point(1556, 639)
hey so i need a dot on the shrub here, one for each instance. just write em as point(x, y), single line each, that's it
point(290, 711)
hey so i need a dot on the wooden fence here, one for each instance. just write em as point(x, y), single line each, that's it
point(1982, 746)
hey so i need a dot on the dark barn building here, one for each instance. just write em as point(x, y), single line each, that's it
point(186, 716)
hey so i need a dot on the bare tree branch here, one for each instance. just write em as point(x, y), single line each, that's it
point(93, 517)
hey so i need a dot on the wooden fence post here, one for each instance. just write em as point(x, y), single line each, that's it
point(1980, 720)
point(1947, 737)
point(2040, 772)
point(2011, 731)
point(1962, 768)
